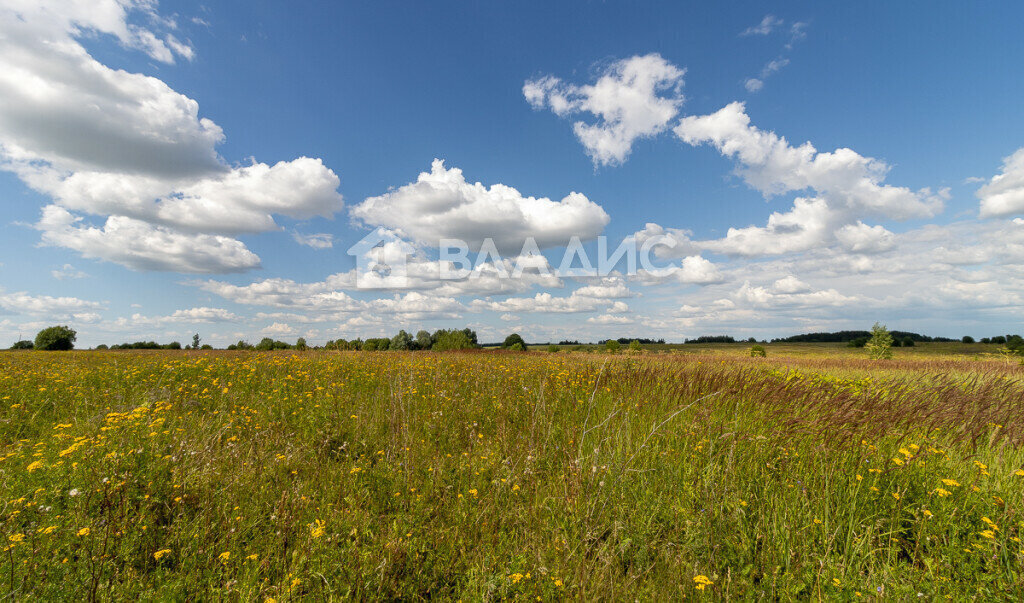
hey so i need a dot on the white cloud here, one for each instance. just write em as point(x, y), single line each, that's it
point(765, 27)
point(67, 271)
point(441, 204)
point(862, 238)
point(22, 302)
point(127, 147)
point(633, 98)
point(610, 319)
point(204, 314)
point(320, 240)
point(140, 246)
point(1004, 193)
point(847, 186)
point(771, 67)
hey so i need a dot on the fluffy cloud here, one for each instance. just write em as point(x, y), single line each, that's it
point(141, 246)
point(1004, 194)
point(846, 187)
point(67, 271)
point(45, 305)
point(633, 98)
point(127, 147)
point(441, 204)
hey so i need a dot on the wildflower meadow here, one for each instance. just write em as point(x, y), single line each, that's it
point(487, 475)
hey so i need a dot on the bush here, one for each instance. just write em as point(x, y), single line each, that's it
point(634, 346)
point(56, 338)
point(758, 351)
point(553, 348)
point(513, 339)
point(858, 342)
point(24, 344)
point(880, 345)
point(967, 339)
point(612, 346)
point(517, 347)
point(300, 345)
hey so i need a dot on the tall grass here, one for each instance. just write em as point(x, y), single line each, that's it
point(492, 475)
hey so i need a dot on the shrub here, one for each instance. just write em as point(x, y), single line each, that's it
point(517, 347)
point(56, 338)
point(758, 351)
point(451, 340)
point(24, 344)
point(513, 339)
point(634, 346)
point(880, 345)
point(967, 339)
point(300, 345)
point(553, 348)
point(612, 346)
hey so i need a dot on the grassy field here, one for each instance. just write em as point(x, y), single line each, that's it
point(811, 474)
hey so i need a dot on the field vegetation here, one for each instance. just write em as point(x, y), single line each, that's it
point(485, 475)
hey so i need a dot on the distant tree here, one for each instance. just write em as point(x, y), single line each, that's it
point(967, 339)
point(752, 340)
point(102, 346)
point(265, 345)
point(24, 344)
point(612, 346)
point(880, 345)
point(174, 345)
point(517, 347)
point(56, 338)
point(423, 340)
point(553, 348)
point(513, 339)
point(758, 351)
point(451, 340)
point(195, 341)
point(402, 341)
point(857, 343)
point(986, 340)
point(634, 346)
point(997, 339)
point(1015, 343)
point(907, 342)
point(471, 336)
point(300, 344)
point(206, 346)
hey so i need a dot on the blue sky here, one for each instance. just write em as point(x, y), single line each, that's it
point(159, 165)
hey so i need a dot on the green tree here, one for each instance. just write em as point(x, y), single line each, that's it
point(56, 338)
point(513, 339)
point(758, 351)
point(451, 340)
point(24, 344)
point(402, 341)
point(880, 345)
point(300, 344)
point(967, 339)
point(612, 346)
point(423, 340)
point(517, 347)
point(265, 345)
point(195, 341)
point(634, 346)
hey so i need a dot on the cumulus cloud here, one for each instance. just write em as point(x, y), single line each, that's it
point(442, 205)
point(845, 184)
point(141, 246)
point(45, 305)
point(127, 147)
point(1004, 193)
point(632, 98)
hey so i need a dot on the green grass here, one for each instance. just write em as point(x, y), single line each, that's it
point(495, 475)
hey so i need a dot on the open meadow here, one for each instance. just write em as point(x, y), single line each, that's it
point(814, 474)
